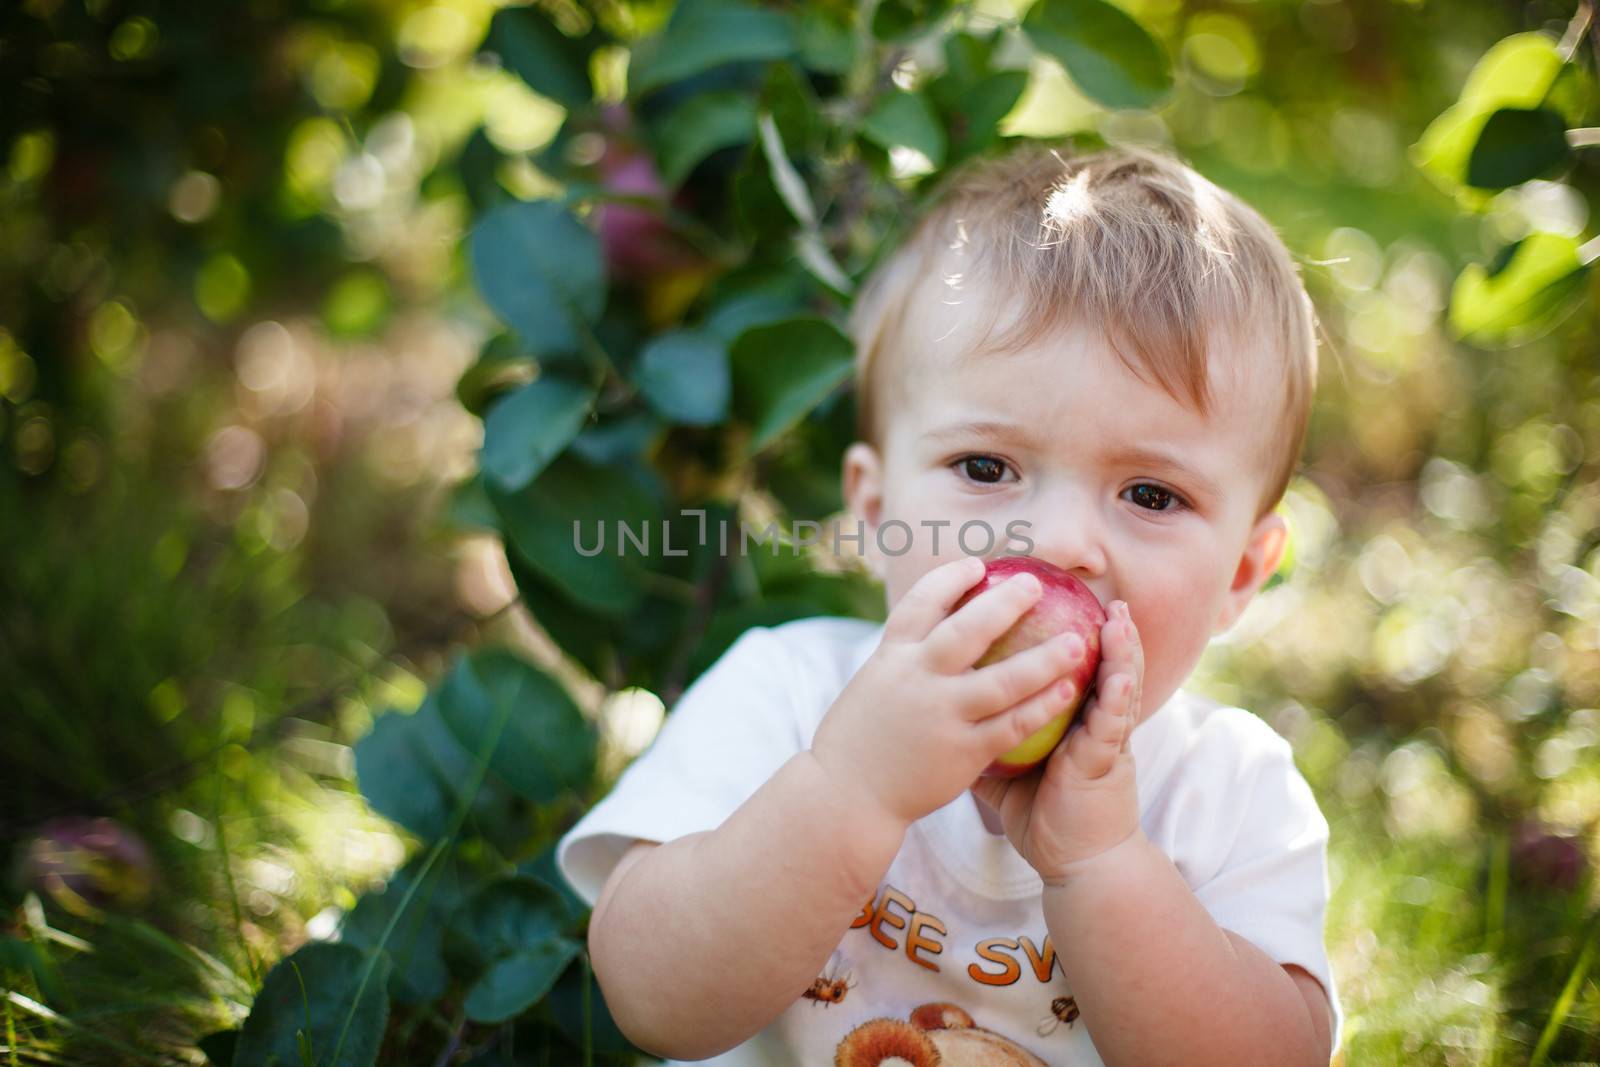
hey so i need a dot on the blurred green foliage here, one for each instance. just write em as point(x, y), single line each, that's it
point(321, 322)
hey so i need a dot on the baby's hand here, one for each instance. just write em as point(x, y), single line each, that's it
point(1084, 802)
point(916, 724)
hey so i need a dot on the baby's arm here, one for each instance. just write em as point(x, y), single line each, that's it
point(701, 942)
point(1164, 983)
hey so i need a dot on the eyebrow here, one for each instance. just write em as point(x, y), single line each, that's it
point(1133, 456)
point(988, 429)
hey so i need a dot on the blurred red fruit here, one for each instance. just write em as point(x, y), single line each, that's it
point(1540, 857)
point(88, 864)
point(637, 242)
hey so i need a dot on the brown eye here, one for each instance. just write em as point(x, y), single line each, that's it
point(983, 468)
point(1153, 497)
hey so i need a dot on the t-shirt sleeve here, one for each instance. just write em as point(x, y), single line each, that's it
point(730, 731)
point(1272, 888)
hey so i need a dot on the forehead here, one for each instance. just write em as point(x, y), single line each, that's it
point(1073, 375)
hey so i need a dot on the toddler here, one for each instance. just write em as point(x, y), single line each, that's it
point(1105, 362)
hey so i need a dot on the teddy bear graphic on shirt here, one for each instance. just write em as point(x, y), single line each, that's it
point(938, 1033)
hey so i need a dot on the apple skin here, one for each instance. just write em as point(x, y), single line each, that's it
point(1066, 605)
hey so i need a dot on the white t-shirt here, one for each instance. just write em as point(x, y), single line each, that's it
point(956, 928)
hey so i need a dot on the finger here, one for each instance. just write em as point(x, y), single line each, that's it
point(1093, 749)
point(992, 791)
point(1126, 657)
point(1004, 732)
point(997, 686)
point(966, 634)
point(931, 597)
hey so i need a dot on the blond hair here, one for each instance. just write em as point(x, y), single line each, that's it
point(1131, 242)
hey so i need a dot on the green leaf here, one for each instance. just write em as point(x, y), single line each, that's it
point(502, 364)
point(415, 945)
point(1516, 145)
point(541, 271)
point(974, 112)
point(1108, 55)
point(1523, 296)
point(321, 980)
point(826, 44)
point(570, 506)
point(893, 20)
point(544, 868)
point(684, 375)
point(966, 57)
point(509, 937)
point(621, 438)
point(582, 634)
point(699, 127)
point(478, 167)
point(514, 984)
point(706, 33)
point(546, 747)
point(902, 118)
point(566, 1003)
point(527, 429)
point(469, 506)
point(408, 766)
point(784, 369)
point(787, 96)
point(1522, 71)
point(410, 769)
point(553, 64)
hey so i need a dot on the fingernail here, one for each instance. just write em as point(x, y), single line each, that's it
point(1027, 583)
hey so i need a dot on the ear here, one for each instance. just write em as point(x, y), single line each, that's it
point(862, 484)
point(1262, 554)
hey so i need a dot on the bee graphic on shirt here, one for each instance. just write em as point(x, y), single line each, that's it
point(1062, 1010)
point(829, 987)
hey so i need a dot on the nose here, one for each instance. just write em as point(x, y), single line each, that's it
point(1070, 533)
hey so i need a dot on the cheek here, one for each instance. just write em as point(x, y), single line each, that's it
point(1174, 619)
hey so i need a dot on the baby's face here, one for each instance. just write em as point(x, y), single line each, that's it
point(1135, 493)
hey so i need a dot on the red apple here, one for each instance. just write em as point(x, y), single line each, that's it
point(1066, 605)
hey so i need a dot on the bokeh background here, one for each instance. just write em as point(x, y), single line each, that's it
point(247, 357)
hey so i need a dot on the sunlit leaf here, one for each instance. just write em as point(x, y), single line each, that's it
point(1523, 71)
point(529, 427)
point(319, 984)
point(1523, 295)
point(541, 271)
point(1108, 55)
point(1516, 145)
point(706, 33)
point(784, 369)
